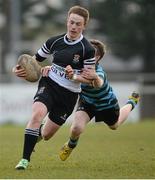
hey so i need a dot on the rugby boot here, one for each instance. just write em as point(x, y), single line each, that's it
point(65, 152)
point(22, 165)
point(134, 99)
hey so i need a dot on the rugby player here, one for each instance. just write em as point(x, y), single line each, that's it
point(57, 94)
point(96, 100)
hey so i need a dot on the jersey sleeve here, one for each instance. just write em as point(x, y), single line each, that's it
point(89, 60)
point(100, 72)
point(44, 52)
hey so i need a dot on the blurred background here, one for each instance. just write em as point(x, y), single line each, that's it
point(127, 27)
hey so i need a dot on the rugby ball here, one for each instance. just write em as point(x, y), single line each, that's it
point(31, 66)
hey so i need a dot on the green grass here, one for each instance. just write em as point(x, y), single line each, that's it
point(128, 152)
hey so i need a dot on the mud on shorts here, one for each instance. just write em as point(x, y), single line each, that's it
point(59, 101)
point(108, 116)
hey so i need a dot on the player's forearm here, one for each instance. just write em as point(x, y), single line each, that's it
point(97, 82)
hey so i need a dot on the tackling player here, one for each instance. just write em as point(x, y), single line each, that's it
point(96, 100)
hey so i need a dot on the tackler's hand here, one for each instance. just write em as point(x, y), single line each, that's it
point(89, 74)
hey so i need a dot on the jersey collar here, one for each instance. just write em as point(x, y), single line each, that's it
point(72, 42)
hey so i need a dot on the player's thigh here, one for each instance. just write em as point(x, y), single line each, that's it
point(49, 129)
point(39, 109)
point(108, 116)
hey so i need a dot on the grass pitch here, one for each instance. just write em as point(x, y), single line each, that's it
point(128, 152)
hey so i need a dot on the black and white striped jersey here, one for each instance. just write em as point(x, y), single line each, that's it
point(78, 54)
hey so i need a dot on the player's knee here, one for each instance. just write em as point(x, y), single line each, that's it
point(35, 119)
point(36, 116)
point(76, 130)
point(33, 123)
point(45, 136)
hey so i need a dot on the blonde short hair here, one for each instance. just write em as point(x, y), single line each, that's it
point(81, 11)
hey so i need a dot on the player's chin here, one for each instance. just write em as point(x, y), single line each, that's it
point(73, 35)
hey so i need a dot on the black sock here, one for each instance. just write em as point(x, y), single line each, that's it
point(73, 142)
point(31, 136)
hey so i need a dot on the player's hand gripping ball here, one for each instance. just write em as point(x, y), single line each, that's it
point(31, 66)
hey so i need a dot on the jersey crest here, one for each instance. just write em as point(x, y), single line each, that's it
point(76, 58)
